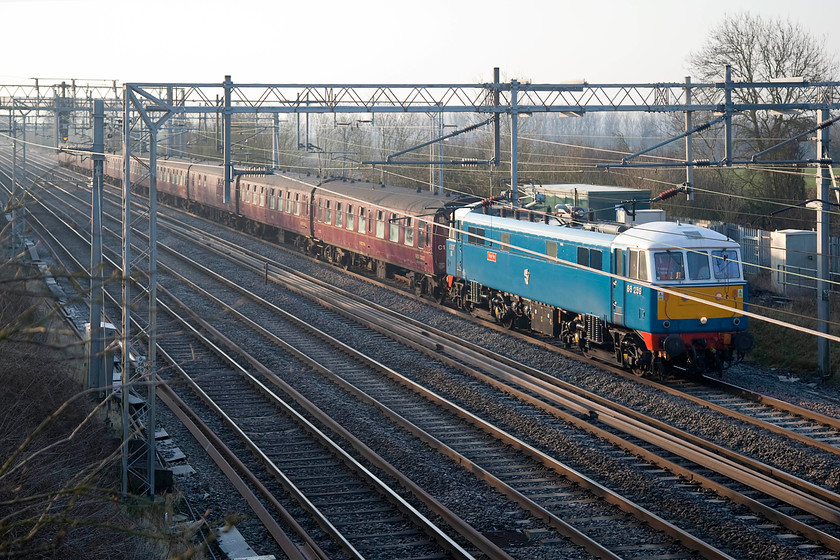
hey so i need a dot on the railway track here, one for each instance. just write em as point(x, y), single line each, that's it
point(585, 410)
point(822, 505)
point(330, 485)
point(600, 550)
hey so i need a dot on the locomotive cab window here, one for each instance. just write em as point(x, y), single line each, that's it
point(725, 264)
point(698, 265)
point(669, 265)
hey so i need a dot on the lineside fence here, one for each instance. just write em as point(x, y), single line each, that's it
point(792, 271)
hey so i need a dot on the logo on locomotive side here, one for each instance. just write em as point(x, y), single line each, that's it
point(491, 256)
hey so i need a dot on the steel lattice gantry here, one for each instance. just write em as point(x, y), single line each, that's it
point(146, 107)
point(151, 105)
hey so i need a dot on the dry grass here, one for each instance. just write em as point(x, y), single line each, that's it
point(59, 462)
point(786, 348)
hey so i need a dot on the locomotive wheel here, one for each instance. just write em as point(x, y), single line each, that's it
point(508, 320)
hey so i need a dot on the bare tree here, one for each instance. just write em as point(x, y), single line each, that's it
point(762, 50)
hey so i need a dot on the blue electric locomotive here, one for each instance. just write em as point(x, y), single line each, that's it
point(596, 287)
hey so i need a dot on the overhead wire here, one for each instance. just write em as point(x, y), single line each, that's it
point(537, 140)
point(666, 290)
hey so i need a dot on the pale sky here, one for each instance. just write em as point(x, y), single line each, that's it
point(373, 41)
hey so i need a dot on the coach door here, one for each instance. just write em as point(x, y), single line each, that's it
point(439, 235)
point(618, 287)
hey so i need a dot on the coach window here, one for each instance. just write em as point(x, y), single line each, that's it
point(669, 265)
point(328, 212)
point(394, 228)
point(421, 235)
point(698, 265)
point(339, 217)
point(262, 196)
point(350, 217)
point(380, 224)
point(297, 204)
point(247, 193)
point(271, 199)
point(409, 232)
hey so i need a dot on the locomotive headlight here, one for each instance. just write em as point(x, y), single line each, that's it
point(703, 320)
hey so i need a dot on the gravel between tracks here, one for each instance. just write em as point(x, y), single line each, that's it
point(693, 507)
point(211, 492)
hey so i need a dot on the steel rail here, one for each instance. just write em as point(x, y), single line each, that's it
point(466, 530)
point(775, 403)
point(609, 496)
point(231, 466)
point(217, 451)
point(326, 525)
point(638, 428)
point(602, 413)
point(793, 496)
point(444, 540)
